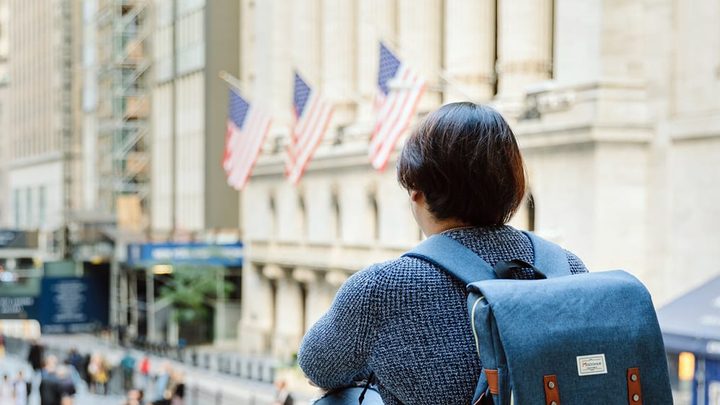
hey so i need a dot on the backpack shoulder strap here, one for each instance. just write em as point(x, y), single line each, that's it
point(453, 257)
point(550, 258)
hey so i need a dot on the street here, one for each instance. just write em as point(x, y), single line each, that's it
point(10, 365)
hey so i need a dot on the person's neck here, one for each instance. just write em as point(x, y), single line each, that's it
point(435, 227)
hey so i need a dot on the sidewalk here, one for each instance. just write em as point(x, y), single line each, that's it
point(204, 385)
point(10, 365)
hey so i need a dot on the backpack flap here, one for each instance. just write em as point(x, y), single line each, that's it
point(588, 338)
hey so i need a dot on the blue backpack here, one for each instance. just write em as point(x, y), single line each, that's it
point(584, 339)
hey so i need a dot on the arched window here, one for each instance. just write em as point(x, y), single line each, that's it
point(302, 214)
point(375, 211)
point(337, 214)
point(272, 208)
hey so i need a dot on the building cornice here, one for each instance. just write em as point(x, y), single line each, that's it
point(20, 163)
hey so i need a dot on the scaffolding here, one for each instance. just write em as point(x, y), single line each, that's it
point(123, 109)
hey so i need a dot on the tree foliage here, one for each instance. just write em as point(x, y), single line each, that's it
point(193, 289)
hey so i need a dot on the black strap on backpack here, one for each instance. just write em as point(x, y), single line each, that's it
point(465, 265)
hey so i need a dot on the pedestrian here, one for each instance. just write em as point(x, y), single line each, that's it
point(22, 389)
point(7, 396)
point(50, 387)
point(2, 345)
point(127, 367)
point(75, 359)
point(84, 363)
point(36, 355)
point(145, 371)
point(162, 393)
point(134, 397)
point(405, 321)
point(98, 371)
point(177, 396)
point(282, 395)
point(66, 387)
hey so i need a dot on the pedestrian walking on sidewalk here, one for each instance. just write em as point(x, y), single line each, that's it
point(7, 396)
point(66, 386)
point(127, 366)
point(99, 374)
point(50, 386)
point(282, 395)
point(36, 355)
point(144, 369)
point(22, 389)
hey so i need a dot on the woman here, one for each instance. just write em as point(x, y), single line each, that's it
point(406, 320)
point(7, 393)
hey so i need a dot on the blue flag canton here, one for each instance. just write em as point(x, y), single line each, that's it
point(389, 65)
point(237, 109)
point(301, 94)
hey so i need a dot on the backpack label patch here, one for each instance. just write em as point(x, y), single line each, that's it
point(591, 364)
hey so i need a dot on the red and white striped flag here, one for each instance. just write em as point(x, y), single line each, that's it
point(400, 89)
point(312, 117)
point(247, 127)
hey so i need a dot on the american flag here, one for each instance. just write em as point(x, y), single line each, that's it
point(400, 89)
point(312, 117)
point(247, 127)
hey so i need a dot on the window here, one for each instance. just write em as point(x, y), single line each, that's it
point(16, 208)
point(42, 208)
point(29, 209)
point(190, 42)
point(273, 215)
point(374, 211)
point(302, 215)
point(336, 210)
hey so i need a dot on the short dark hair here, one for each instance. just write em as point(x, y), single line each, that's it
point(464, 158)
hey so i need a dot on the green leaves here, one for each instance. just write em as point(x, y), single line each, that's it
point(193, 290)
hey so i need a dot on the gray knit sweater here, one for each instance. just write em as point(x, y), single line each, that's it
point(407, 321)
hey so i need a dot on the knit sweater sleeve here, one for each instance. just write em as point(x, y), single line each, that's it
point(334, 352)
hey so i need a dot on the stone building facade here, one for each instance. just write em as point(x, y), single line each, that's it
point(40, 140)
point(611, 101)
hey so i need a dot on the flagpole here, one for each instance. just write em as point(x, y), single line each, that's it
point(231, 80)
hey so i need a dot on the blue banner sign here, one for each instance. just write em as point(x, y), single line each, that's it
point(72, 305)
point(148, 254)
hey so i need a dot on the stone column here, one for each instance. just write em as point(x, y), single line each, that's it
point(420, 44)
point(338, 59)
point(305, 38)
point(310, 281)
point(469, 50)
point(376, 22)
point(272, 55)
point(289, 311)
point(257, 313)
point(524, 49)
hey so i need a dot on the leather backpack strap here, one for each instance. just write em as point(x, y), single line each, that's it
point(454, 258)
point(550, 258)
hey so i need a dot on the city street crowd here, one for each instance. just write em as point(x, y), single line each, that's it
point(59, 375)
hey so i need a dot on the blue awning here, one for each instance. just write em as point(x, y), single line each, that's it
point(691, 323)
point(188, 253)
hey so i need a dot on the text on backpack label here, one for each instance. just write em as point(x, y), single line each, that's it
point(591, 364)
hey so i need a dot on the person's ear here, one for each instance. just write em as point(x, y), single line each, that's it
point(417, 196)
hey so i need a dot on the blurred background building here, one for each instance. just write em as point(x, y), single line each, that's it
point(113, 122)
point(4, 199)
point(39, 138)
